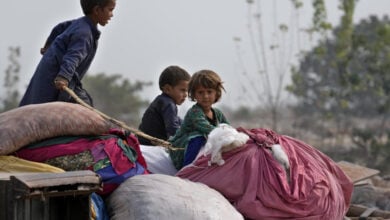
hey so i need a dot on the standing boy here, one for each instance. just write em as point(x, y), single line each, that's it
point(67, 55)
point(160, 119)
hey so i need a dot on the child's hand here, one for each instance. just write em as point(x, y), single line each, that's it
point(43, 50)
point(60, 82)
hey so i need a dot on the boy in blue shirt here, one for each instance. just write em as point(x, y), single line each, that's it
point(67, 55)
point(160, 119)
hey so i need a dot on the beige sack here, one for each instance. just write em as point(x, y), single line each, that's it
point(31, 123)
point(163, 197)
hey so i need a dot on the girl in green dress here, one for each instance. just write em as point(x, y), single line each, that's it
point(205, 88)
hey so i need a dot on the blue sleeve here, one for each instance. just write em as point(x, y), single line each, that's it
point(171, 120)
point(78, 49)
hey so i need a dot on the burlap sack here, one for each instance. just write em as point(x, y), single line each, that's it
point(163, 197)
point(28, 124)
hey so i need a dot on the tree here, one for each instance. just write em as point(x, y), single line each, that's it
point(116, 97)
point(344, 83)
point(355, 83)
point(11, 80)
point(321, 80)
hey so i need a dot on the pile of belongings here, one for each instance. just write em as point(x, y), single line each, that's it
point(140, 182)
point(258, 185)
point(71, 137)
point(60, 137)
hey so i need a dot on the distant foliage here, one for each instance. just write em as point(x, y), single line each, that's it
point(352, 81)
point(343, 84)
point(10, 99)
point(116, 96)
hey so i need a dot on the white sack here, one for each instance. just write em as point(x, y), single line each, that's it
point(158, 160)
point(163, 197)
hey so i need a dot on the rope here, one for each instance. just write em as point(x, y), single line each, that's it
point(121, 124)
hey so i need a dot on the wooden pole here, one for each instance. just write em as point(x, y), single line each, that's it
point(121, 124)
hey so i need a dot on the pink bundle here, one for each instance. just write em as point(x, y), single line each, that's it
point(257, 185)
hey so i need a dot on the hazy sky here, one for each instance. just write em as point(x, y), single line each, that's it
point(145, 36)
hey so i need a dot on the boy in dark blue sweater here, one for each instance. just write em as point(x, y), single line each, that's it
point(160, 119)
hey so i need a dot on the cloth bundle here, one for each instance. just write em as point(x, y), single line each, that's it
point(256, 184)
point(31, 123)
point(11, 164)
point(115, 156)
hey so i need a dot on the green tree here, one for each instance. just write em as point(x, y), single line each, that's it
point(355, 83)
point(117, 97)
point(343, 83)
point(11, 80)
point(320, 83)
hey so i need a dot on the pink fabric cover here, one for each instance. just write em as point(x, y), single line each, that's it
point(119, 161)
point(255, 183)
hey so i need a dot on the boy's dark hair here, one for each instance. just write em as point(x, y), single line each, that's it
point(88, 5)
point(172, 75)
point(207, 79)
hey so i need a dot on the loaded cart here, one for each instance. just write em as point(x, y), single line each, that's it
point(47, 195)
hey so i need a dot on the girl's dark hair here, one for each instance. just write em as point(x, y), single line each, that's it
point(207, 79)
point(172, 75)
point(88, 5)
